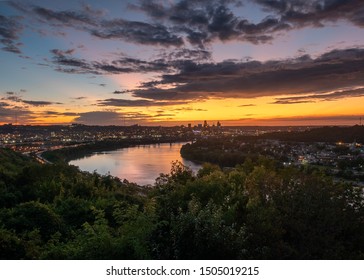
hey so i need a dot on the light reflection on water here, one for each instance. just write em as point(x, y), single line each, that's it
point(140, 164)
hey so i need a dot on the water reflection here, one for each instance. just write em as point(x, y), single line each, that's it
point(141, 164)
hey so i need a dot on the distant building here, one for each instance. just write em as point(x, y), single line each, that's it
point(218, 124)
point(205, 124)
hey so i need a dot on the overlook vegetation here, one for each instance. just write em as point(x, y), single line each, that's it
point(256, 210)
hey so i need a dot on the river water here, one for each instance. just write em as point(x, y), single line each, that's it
point(140, 164)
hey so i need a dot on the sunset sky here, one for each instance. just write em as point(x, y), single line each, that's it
point(168, 62)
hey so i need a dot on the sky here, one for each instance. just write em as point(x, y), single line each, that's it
point(174, 62)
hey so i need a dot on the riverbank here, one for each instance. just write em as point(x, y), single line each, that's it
point(67, 154)
point(141, 164)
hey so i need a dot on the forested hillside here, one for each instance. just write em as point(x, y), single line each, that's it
point(322, 134)
point(254, 211)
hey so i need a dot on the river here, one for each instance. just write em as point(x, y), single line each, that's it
point(140, 164)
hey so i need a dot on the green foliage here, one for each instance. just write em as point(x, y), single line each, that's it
point(257, 210)
point(202, 232)
point(33, 215)
point(11, 246)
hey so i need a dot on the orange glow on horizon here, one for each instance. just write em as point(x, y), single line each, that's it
point(229, 111)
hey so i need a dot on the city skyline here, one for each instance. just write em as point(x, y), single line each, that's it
point(251, 62)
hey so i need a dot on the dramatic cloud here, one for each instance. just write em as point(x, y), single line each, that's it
point(334, 71)
point(182, 54)
point(93, 22)
point(204, 21)
point(316, 12)
point(332, 75)
point(138, 32)
point(358, 92)
point(12, 97)
point(165, 62)
point(171, 46)
point(67, 18)
point(62, 53)
point(136, 103)
point(122, 91)
point(174, 23)
point(15, 97)
point(67, 63)
point(9, 34)
point(13, 114)
point(39, 103)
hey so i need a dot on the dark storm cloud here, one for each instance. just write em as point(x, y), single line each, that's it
point(9, 33)
point(333, 71)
